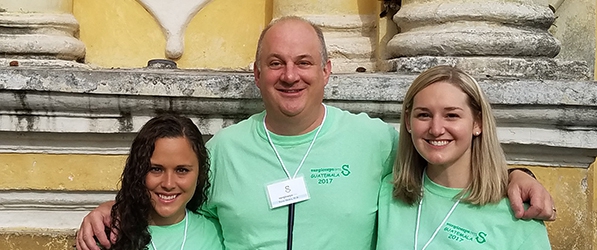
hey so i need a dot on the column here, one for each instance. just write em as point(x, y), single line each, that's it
point(39, 32)
point(486, 37)
point(348, 27)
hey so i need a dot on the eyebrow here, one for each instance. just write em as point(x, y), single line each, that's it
point(299, 56)
point(177, 166)
point(446, 108)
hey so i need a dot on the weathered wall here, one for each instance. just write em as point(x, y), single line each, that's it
point(64, 133)
point(569, 187)
point(64, 145)
point(574, 26)
point(122, 34)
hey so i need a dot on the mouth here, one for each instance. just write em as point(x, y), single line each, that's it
point(167, 198)
point(290, 91)
point(438, 143)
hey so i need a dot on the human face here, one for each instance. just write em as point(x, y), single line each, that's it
point(289, 72)
point(442, 125)
point(172, 179)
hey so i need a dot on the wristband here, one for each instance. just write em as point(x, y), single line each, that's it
point(525, 170)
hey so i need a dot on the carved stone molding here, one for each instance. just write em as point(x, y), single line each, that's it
point(474, 28)
point(483, 37)
point(45, 110)
point(47, 209)
point(41, 36)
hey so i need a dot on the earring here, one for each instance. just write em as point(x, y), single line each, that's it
point(477, 133)
point(409, 131)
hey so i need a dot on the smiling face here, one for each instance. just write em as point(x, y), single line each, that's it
point(442, 125)
point(289, 71)
point(171, 180)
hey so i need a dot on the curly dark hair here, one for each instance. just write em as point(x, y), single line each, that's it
point(130, 213)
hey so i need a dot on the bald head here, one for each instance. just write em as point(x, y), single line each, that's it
point(322, 50)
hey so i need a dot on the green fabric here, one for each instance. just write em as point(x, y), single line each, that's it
point(202, 234)
point(343, 173)
point(490, 226)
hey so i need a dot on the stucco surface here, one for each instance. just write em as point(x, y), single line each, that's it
point(121, 33)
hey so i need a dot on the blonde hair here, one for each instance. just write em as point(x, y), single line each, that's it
point(488, 163)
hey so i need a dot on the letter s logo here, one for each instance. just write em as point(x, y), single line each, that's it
point(345, 170)
point(481, 237)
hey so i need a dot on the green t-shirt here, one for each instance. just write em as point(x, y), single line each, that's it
point(343, 173)
point(491, 226)
point(202, 234)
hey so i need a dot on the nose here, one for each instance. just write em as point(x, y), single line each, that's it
point(290, 74)
point(168, 181)
point(437, 126)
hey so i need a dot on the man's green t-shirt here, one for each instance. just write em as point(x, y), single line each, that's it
point(342, 173)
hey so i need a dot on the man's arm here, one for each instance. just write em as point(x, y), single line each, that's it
point(523, 187)
point(94, 224)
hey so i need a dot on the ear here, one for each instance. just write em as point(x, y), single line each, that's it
point(327, 71)
point(406, 120)
point(256, 73)
point(477, 126)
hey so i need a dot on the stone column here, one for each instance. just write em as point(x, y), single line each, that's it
point(39, 32)
point(484, 37)
point(348, 27)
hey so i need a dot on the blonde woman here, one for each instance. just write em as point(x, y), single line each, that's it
point(448, 190)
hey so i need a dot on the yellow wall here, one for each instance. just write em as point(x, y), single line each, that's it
point(60, 172)
point(328, 7)
point(121, 33)
point(570, 190)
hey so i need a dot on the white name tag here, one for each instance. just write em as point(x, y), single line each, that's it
point(286, 192)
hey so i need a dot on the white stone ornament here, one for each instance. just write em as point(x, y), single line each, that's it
point(173, 16)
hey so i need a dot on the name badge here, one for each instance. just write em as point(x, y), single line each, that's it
point(286, 192)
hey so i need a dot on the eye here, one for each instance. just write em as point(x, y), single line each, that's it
point(155, 169)
point(304, 63)
point(275, 64)
point(182, 170)
point(422, 115)
point(452, 115)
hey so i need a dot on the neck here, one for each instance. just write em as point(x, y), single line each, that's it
point(452, 176)
point(159, 221)
point(296, 125)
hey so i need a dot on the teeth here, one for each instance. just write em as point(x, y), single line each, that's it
point(438, 143)
point(166, 197)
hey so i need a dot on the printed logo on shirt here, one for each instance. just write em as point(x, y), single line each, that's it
point(460, 234)
point(325, 176)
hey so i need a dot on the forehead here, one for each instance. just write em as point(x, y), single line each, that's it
point(173, 149)
point(291, 37)
point(443, 94)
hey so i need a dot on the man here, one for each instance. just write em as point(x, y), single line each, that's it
point(336, 160)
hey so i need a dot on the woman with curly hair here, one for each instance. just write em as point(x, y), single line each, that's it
point(164, 182)
point(448, 190)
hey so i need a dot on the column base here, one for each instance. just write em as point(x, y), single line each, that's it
point(40, 36)
point(349, 39)
point(18, 61)
point(526, 68)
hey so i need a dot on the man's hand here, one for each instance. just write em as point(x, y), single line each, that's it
point(523, 187)
point(94, 224)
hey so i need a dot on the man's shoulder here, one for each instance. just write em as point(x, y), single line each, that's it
point(360, 120)
point(235, 131)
